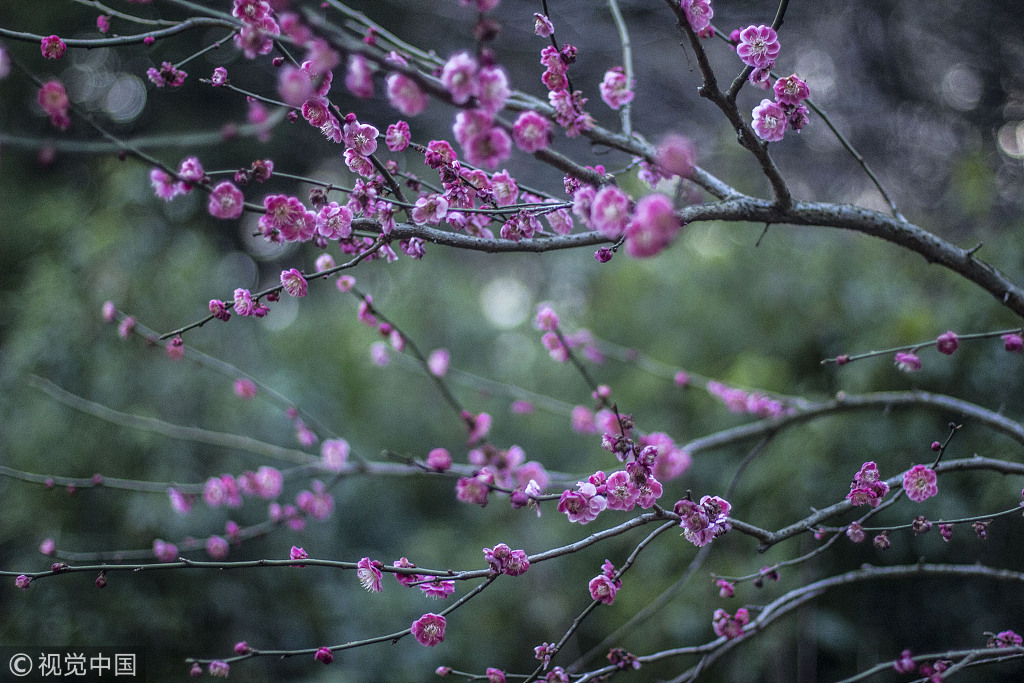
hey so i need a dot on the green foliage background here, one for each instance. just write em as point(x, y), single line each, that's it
point(83, 229)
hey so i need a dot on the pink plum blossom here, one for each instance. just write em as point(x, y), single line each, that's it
point(791, 90)
point(769, 121)
point(542, 26)
point(609, 213)
point(920, 483)
point(398, 136)
point(226, 201)
point(603, 589)
point(908, 362)
point(53, 99)
point(359, 76)
point(758, 46)
point(404, 95)
point(615, 88)
point(459, 77)
point(728, 626)
point(429, 629)
point(582, 505)
point(698, 13)
point(652, 227)
point(370, 574)
point(704, 521)
point(52, 47)
point(294, 282)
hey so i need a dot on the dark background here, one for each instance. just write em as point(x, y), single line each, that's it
point(931, 96)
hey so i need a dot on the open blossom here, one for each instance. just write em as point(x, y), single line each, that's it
point(459, 77)
point(244, 304)
point(542, 26)
point(675, 155)
point(370, 574)
point(582, 505)
point(531, 131)
point(492, 89)
point(622, 493)
point(1006, 639)
point(53, 47)
point(226, 201)
point(603, 589)
point(791, 90)
point(360, 137)
point(609, 212)
point(293, 282)
point(164, 551)
point(219, 77)
point(920, 483)
point(438, 589)
point(615, 88)
point(759, 46)
point(359, 76)
point(218, 668)
point(398, 136)
point(489, 148)
point(698, 13)
point(430, 209)
point(908, 362)
point(404, 95)
point(769, 121)
point(429, 629)
point(653, 226)
point(474, 489)
point(53, 98)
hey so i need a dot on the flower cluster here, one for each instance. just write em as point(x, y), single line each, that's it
point(504, 560)
point(1005, 639)
point(772, 118)
point(258, 27)
point(167, 75)
point(867, 486)
point(568, 105)
point(499, 467)
point(605, 585)
point(704, 521)
point(53, 99)
point(739, 401)
point(728, 626)
point(431, 587)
